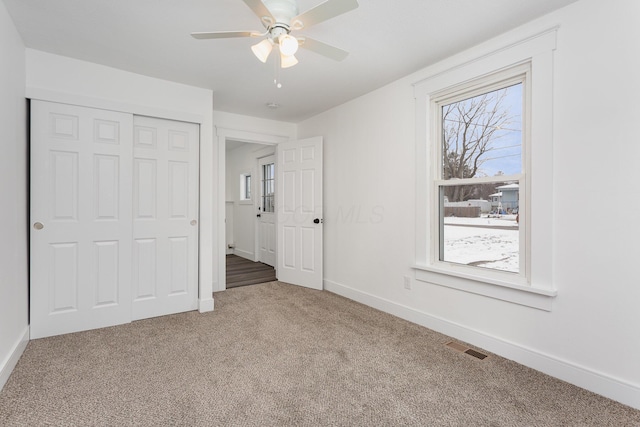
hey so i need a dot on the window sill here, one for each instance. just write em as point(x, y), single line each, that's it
point(245, 202)
point(539, 298)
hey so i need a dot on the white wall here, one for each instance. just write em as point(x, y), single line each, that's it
point(14, 329)
point(256, 129)
point(244, 160)
point(590, 337)
point(61, 79)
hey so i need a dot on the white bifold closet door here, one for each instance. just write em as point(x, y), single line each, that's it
point(91, 185)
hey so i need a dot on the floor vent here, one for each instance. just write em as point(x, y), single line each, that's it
point(464, 349)
point(476, 354)
point(457, 346)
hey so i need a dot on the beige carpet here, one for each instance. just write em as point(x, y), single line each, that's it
point(275, 354)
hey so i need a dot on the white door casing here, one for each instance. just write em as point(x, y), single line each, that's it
point(80, 254)
point(165, 217)
point(228, 222)
point(299, 208)
point(266, 211)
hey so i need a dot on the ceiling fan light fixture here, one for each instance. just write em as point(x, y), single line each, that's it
point(287, 61)
point(279, 18)
point(262, 50)
point(288, 44)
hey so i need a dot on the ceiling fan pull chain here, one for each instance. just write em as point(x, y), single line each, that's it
point(276, 73)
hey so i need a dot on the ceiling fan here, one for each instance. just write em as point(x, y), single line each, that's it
point(280, 18)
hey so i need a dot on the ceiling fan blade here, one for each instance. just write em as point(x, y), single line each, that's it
point(225, 34)
point(324, 11)
point(259, 9)
point(323, 48)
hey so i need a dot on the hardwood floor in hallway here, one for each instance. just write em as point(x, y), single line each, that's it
point(242, 272)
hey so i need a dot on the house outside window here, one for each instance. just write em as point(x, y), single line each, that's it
point(506, 200)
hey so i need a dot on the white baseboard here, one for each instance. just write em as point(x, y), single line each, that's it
point(605, 385)
point(244, 254)
point(12, 359)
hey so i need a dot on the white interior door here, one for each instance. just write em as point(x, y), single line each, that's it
point(80, 255)
point(299, 207)
point(266, 211)
point(165, 217)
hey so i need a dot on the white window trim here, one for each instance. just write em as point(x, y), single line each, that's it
point(539, 292)
point(242, 200)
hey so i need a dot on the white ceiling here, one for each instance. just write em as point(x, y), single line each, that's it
point(387, 39)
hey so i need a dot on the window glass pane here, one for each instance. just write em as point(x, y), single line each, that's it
point(483, 230)
point(482, 135)
point(245, 187)
point(268, 187)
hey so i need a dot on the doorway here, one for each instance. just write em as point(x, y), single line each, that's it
point(299, 225)
point(249, 213)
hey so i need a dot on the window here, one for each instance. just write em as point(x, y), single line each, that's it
point(268, 188)
point(484, 193)
point(245, 186)
point(481, 174)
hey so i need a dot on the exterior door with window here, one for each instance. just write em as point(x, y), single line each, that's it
point(266, 211)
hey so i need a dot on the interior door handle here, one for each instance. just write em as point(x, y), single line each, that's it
point(317, 221)
point(38, 225)
point(258, 215)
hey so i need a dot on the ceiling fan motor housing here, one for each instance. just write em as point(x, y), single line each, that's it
point(278, 30)
point(282, 10)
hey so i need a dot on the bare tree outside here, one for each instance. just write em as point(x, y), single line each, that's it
point(473, 130)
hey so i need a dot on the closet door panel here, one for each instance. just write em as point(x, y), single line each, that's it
point(165, 214)
point(81, 222)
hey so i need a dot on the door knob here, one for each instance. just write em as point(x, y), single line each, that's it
point(38, 226)
point(194, 222)
point(317, 221)
point(259, 215)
